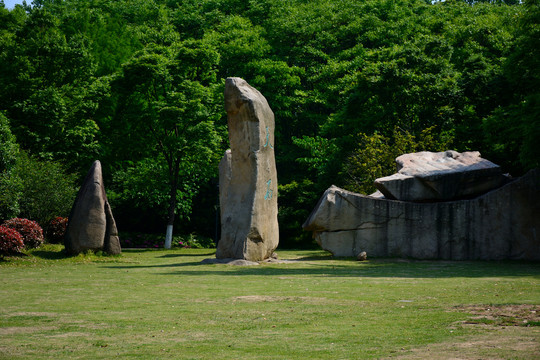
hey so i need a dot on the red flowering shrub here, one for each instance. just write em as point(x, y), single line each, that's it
point(30, 231)
point(10, 241)
point(57, 230)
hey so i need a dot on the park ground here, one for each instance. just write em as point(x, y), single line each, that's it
point(165, 304)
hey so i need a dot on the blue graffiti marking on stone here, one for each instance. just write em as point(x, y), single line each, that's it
point(268, 139)
point(269, 192)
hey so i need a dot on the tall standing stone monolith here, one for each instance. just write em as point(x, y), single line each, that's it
point(248, 177)
point(91, 224)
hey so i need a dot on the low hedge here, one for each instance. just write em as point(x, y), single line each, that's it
point(31, 232)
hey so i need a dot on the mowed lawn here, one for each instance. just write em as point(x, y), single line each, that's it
point(158, 304)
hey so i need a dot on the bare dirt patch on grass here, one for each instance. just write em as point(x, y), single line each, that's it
point(33, 313)
point(504, 332)
point(26, 322)
point(313, 300)
point(266, 298)
point(500, 343)
point(503, 315)
point(71, 334)
point(14, 330)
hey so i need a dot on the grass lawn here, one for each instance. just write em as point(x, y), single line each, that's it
point(157, 304)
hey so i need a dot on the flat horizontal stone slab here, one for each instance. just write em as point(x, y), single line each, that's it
point(442, 176)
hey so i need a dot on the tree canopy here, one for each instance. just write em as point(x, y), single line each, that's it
point(138, 84)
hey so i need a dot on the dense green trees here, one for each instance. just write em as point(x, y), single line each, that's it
point(513, 128)
point(9, 184)
point(31, 188)
point(138, 84)
point(48, 91)
point(167, 109)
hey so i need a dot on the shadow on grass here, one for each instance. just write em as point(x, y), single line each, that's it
point(319, 256)
point(389, 268)
point(323, 264)
point(5, 258)
point(144, 250)
point(182, 255)
point(54, 254)
point(183, 264)
point(50, 254)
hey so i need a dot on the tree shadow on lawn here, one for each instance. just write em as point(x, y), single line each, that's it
point(145, 250)
point(182, 255)
point(51, 254)
point(391, 268)
point(62, 254)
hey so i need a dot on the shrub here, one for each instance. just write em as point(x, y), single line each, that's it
point(138, 240)
point(57, 229)
point(46, 189)
point(11, 241)
point(9, 149)
point(193, 241)
point(376, 154)
point(31, 232)
point(10, 185)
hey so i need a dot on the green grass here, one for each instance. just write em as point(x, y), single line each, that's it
point(157, 304)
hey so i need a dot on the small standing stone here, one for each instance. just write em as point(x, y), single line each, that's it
point(91, 224)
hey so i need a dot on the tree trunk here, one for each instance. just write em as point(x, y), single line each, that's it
point(168, 236)
point(170, 221)
point(173, 172)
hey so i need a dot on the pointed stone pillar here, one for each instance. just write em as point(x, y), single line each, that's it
point(91, 224)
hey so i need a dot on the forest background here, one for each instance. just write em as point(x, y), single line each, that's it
point(138, 84)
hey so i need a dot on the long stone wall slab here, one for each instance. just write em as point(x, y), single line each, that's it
point(502, 224)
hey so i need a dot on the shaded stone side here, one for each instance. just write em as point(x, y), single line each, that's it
point(91, 225)
point(111, 244)
point(248, 177)
point(502, 224)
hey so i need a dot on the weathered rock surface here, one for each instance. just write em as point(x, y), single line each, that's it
point(501, 224)
point(248, 177)
point(428, 176)
point(362, 256)
point(91, 224)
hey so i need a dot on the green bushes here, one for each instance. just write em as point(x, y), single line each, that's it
point(8, 146)
point(38, 190)
point(9, 184)
point(10, 241)
point(31, 232)
point(375, 155)
point(35, 189)
point(47, 190)
point(149, 241)
point(32, 188)
point(193, 241)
